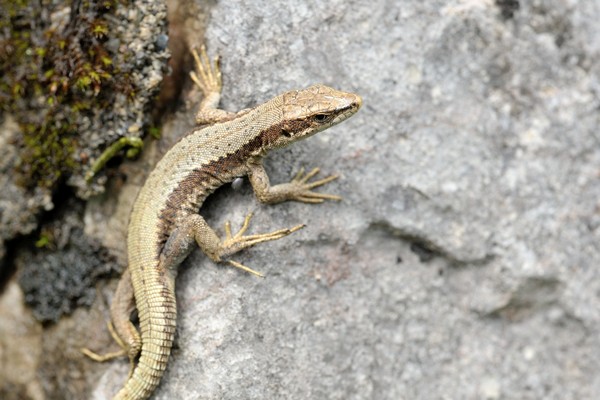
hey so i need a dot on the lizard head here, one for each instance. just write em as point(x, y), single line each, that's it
point(311, 110)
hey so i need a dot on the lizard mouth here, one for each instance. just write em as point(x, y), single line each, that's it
point(348, 109)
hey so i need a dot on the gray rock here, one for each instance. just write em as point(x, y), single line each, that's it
point(477, 143)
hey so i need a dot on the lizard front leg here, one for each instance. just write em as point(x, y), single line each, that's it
point(298, 189)
point(207, 77)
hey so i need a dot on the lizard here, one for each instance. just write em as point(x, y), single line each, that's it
point(165, 225)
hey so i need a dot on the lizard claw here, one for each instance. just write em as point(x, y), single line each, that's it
point(303, 187)
point(207, 75)
point(234, 243)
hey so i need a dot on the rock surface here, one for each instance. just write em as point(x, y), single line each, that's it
point(463, 261)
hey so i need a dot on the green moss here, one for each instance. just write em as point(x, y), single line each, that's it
point(155, 132)
point(135, 145)
point(45, 240)
point(52, 79)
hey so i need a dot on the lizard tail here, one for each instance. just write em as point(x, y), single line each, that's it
point(157, 322)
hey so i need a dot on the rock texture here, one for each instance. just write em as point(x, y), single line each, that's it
point(463, 261)
point(75, 77)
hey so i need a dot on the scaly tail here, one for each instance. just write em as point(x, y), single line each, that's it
point(157, 323)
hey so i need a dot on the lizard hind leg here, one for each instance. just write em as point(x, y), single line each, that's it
point(234, 243)
point(125, 351)
point(107, 356)
point(121, 328)
point(178, 244)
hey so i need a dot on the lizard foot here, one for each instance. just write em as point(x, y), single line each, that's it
point(208, 78)
point(301, 187)
point(208, 75)
point(234, 243)
point(108, 356)
point(132, 353)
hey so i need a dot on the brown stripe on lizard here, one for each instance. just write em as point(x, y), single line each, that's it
point(165, 225)
point(202, 181)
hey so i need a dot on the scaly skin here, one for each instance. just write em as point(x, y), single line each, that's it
point(165, 225)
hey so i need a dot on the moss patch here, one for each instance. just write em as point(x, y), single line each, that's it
point(56, 73)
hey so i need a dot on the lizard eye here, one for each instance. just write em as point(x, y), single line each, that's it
point(320, 117)
point(286, 133)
